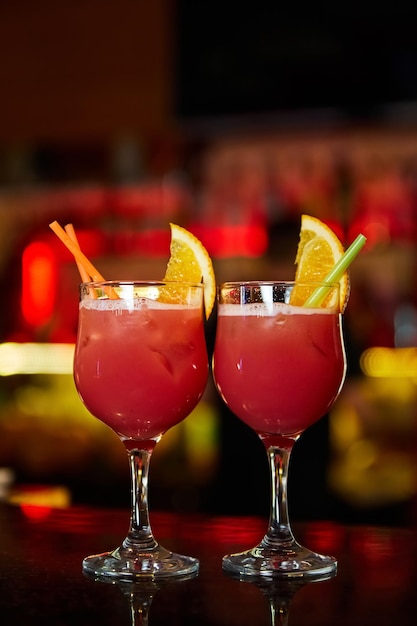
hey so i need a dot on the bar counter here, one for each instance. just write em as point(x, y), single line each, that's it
point(41, 581)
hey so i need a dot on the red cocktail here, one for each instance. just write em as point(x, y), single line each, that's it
point(140, 367)
point(279, 368)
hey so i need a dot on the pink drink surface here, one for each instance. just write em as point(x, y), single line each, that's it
point(140, 371)
point(279, 371)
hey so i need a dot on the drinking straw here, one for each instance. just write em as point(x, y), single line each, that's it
point(81, 258)
point(335, 274)
point(85, 276)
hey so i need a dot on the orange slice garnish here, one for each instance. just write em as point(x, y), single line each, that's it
point(190, 262)
point(319, 249)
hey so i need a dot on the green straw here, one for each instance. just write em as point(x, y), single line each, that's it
point(335, 274)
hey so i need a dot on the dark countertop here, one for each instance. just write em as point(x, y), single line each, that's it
point(41, 581)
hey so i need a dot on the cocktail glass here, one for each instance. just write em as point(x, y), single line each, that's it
point(140, 367)
point(279, 368)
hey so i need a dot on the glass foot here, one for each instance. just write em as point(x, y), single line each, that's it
point(285, 561)
point(128, 564)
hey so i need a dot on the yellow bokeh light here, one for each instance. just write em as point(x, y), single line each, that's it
point(36, 358)
point(390, 362)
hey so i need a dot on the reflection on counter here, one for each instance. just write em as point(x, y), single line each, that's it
point(41, 579)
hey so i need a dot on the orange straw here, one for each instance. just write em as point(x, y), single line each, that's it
point(85, 276)
point(80, 258)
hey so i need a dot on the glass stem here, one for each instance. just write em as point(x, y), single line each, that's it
point(139, 613)
point(279, 529)
point(279, 612)
point(140, 534)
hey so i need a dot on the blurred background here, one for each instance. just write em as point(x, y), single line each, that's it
point(123, 116)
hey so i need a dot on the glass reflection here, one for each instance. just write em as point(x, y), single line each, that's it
point(139, 594)
point(279, 592)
